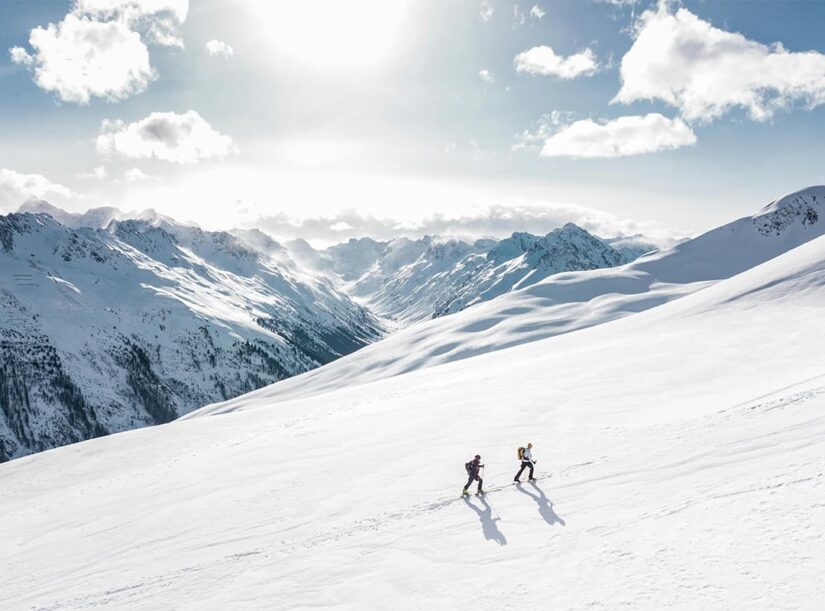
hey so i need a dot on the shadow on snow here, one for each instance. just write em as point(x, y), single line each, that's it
point(545, 505)
point(488, 522)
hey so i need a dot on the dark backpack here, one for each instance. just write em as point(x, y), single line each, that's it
point(469, 467)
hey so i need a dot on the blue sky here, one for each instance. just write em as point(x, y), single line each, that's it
point(405, 116)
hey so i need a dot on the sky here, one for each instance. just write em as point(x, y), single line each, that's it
point(338, 118)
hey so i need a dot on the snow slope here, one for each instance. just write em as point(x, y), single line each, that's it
point(566, 302)
point(680, 457)
point(111, 321)
point(106, 330)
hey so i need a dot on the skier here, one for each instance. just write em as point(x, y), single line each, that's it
point(472, 468)
point(526, 457)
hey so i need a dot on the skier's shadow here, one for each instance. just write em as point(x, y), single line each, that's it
point(545, 506)
point(488, 522)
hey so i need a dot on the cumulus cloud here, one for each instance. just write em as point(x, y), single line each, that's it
point(79, 58)
point(17, 188)
point(632, 135)
point(705, 72)
point(487, 76)
point(537, 12)
point(219, 48)
point(168, 136)
point(99, 49)
point(544, 61)
point(20, 56)
point(486, 11)
point(491, 222)
point(159, 21)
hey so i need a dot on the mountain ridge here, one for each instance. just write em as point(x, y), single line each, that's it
point(105, 330)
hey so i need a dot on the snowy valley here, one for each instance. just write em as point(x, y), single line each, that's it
point(679, 446)
point(112, 322)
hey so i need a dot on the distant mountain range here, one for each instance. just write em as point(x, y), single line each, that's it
point(109, 323)
point(406, 280)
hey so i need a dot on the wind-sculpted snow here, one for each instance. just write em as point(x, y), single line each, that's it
point(680, 465)
point(570, 301)
point(107, 330)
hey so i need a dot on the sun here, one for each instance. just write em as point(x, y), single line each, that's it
point(337, 34)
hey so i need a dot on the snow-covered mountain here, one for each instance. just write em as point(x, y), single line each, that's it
point(105, 330)
point(410, 280)
point(411, 276)
point(680, 461)
point(523, 260)
point(571, 301)
point(97, 218)
point(115, 321)
point(108, 329)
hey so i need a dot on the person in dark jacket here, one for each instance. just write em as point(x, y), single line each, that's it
point(527, 462)
point(473, 468)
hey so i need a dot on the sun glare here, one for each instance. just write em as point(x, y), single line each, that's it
point(333, 33)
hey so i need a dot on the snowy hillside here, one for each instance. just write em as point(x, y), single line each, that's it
point(569, 301)
point(680, 467)
point(107, 330)
point(117, 320)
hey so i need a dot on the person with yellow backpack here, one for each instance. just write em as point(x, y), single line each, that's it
point(525, 455)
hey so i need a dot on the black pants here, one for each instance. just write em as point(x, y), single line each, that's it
point(524, 465)
point(471, 480)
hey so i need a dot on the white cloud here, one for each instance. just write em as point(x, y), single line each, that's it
point(547, 125)
point(168, 136)
point(632, 135)
point(19, 55)
point(705, 72)
point(133, 9)
point(537, 12)
point(17, 188)
point(486, 11)
point(79, 58)
point(487, 76)
point(98, 173)
point(341, 226)
point(99, 49)
point(158, 20)
point(518, 16)
point(544, 61)
point(219, 48)
point(497, 221)
point(135, 175)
